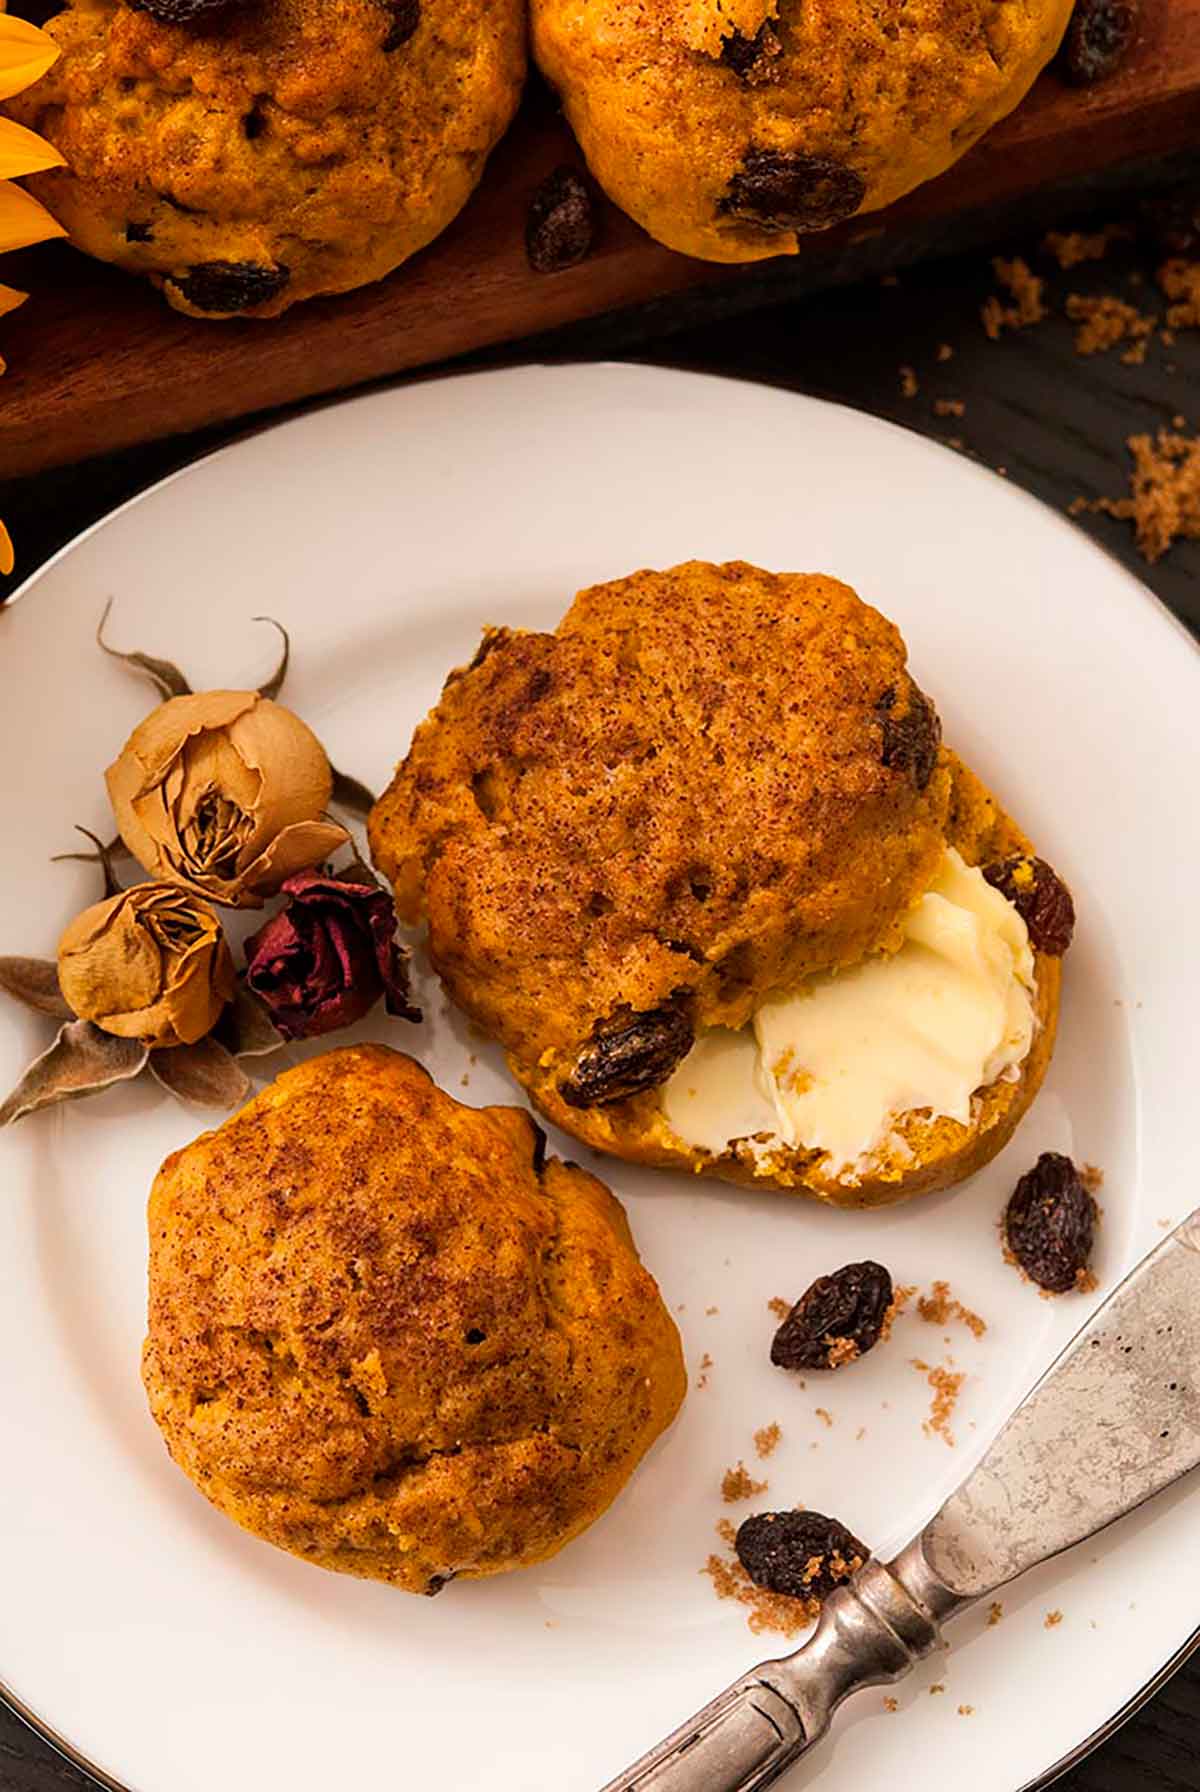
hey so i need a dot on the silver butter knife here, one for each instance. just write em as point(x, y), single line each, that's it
point(1113, 1421)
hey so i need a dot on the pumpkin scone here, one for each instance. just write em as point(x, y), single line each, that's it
point(387, 1334)
point(245, 156)
point(729, 128)
point(699, 860)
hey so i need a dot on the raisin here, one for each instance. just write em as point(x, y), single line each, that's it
point(630, 1051)
point(912, 738)
point(182, 12)
point(225, 286)
point(138, 233)
point(406, 16)
point(560, 226)
point(752, 59)
point(1040, 897)
point(840, 1317)
point(781, 190)
point(1098, 37)
point(803, 1555)
point(1050, 1224)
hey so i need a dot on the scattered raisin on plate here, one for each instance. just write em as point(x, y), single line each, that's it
point(1040, 897)
point(560, 225)
point(630, 1051)
point(1050, 1224)
point(1099, 36)
point(840, 1317)
point(803, 1555)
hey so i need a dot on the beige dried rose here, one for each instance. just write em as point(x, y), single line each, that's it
point(149, 964)
point(222, 792)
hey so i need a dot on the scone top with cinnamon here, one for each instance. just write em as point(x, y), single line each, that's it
point(710, 790)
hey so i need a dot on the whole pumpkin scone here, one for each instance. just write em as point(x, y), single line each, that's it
point(729, 128)
point(245, 156)
point(388, 1335)
point(699, 860)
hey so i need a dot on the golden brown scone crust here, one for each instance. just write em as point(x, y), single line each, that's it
point(280, 134)
point(682, 789)
point(705, 786)
point(676, 105)
point(381, 1338)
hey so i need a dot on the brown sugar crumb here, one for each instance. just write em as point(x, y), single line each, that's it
point(1052, 1620)
point(766, 1438)
point(939, 1307)
point(946, 1385)
point(768, 1611)
point(995, 1612)
point(826, 1418)
point(1092, 1178)
point(780, 1307)
point(966, 1711)
point(908, 383)
point(706, 1364)
point(891, 1704)
point(1070, 247)
point(841, 1350)
point(709, 1311)
point(900, 1299)
point(945, 352)
point(1103, 322)
point(1026, 289)
point(948, 407)
point(1164, 501)
point(1180, 281)
point(860, 1434)
point(738, 1484)
point(938, 1686)
point(889, 280)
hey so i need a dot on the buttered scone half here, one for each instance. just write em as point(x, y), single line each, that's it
point(700, 861)
point(388, 1334)
point(729, 129)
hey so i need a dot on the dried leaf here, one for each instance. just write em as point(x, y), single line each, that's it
point(348, 793)
point(103, 856)
point(274, 684)
point(81, 1061)
point(245, 1028)
point(163, 673)
point(34, 981)
point(204, 1074)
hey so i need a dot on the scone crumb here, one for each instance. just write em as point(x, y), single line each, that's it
point(779, 1307)
point(1092, 1178)
point(948, 407)
point(995, 1612)
point(1052, 1620)
point(706, 1364)
point(709, 1311)
point(1027, 290)
point(738, 1484)
point(890, 1704)
point(1104, 321)
point(966, 1711)
point(939, 1307)
point(945, 352)
point(908, 383)
point(766, 1438)
point(938, 1686)
point(825, 1417)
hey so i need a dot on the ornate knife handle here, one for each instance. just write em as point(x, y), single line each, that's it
point(872, 1630)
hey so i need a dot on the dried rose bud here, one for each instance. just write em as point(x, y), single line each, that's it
point(221, 792)
point(327, 957)
point(150, 964)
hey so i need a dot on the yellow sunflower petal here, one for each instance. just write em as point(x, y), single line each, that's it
point(7, 557)
point(24, 152)
point(25, 55)
point(10, 298)
point(22, 219)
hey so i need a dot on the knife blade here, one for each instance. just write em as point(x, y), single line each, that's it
point(1113, 1421)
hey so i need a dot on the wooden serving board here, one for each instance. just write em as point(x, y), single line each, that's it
point(97, 361)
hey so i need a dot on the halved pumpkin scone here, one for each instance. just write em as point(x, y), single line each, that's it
point(701, 863)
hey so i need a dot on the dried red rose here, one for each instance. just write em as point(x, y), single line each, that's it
point(328, 956)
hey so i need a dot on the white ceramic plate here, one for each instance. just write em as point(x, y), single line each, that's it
point(179, 1655)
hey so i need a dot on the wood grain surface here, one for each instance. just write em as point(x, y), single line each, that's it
point(98, 362)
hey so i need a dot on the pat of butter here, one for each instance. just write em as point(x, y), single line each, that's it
point(829, 1067)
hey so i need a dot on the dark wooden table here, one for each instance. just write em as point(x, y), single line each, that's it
point(1056, 422)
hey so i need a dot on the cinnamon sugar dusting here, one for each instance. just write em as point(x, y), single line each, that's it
point(939, 1307)
point(766, 1438)
point(738, 1484)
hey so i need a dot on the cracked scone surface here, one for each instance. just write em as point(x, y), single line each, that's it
point(728, 128)
point(706, 786)
point(384, 1334)
point(274, 151)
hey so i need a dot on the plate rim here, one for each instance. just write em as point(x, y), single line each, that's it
point(9, 1701)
